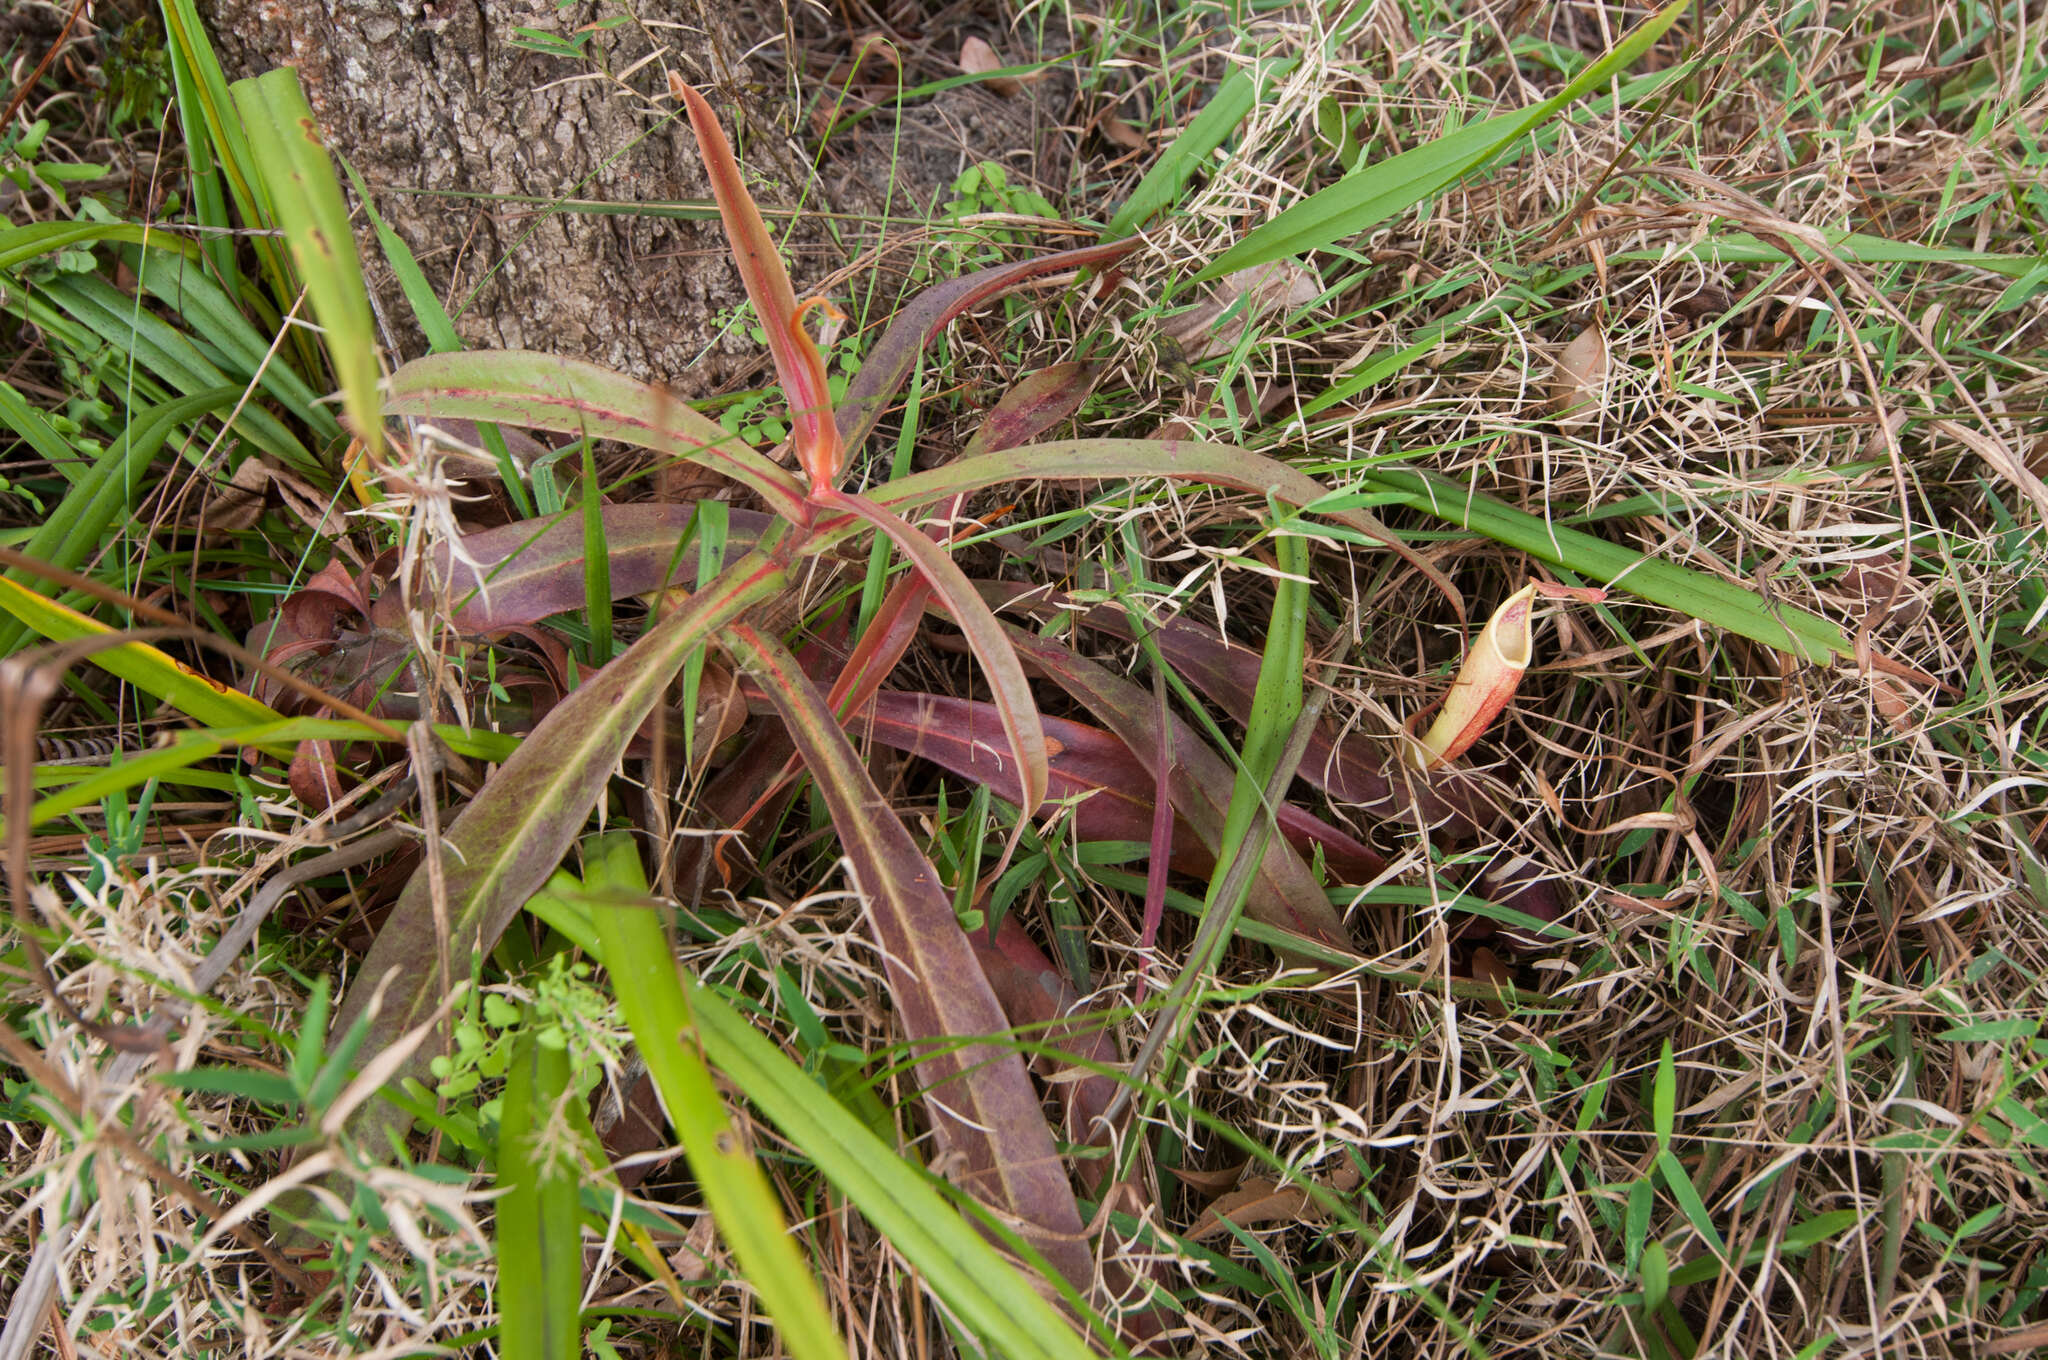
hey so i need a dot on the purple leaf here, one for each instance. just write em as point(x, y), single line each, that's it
point(1284, 892)
point(979, 1096)
point(1033, 406)
point(886, 367)
point(523, 572)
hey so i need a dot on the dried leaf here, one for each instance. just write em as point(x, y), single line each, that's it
point(1220, 1181)
point(1122, 133)
point(1259, 1200)
point(1247, 297)
point(978, 58)
point(1578, 379)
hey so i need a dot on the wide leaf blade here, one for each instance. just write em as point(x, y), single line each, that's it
point(980, 1097)
point(306, 198)
point(569, 396)
point(515, 831)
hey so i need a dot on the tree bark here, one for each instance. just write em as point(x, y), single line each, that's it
point(454, 120)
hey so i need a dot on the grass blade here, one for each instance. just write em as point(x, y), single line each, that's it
point(986, 1292)
point(1230, 105)
point(105, 493)
point(1711, 599)
point(539, 1235)
point(1363, 200)
point(641, 960)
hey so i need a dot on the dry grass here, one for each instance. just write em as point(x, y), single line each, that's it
point(1820, 891)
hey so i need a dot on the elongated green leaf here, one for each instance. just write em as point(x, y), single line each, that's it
point(22, 245)
point(1711, 599)
point(982, 1289)
point(306, 199)
point(547, 392)
point(1171, 459)
point(139, 768)
point(35, 427)
point(985, 638)
point(539, 1237)
point(514, 833)
point(641, 960)
point(1738, 247)
point(1376, 193)
point(211, 314)
point(980, 1098)
point(105, 492)
point(170, 354)
point(1230, 105)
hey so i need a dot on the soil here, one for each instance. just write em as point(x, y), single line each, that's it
point(438, 102)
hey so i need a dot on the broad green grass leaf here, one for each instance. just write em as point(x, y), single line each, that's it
point(597, 562)
point(1696, 594)
point(306, 201)
point(162, 349)
point(23, 245)
point(35, 428)
point(134, 769)
point(981, 1098)
point(568, 396)
point(1377, 192)
point(641, 960)
point(1233, 101)
point(209, 313)
point(539, 1233)
point(513, 833)
point(986, 1292)
point(1689, 1202)
point(1855, 247)
point(1664, 1097)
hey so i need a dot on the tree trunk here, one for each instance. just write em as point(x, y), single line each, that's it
point(454, 120)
